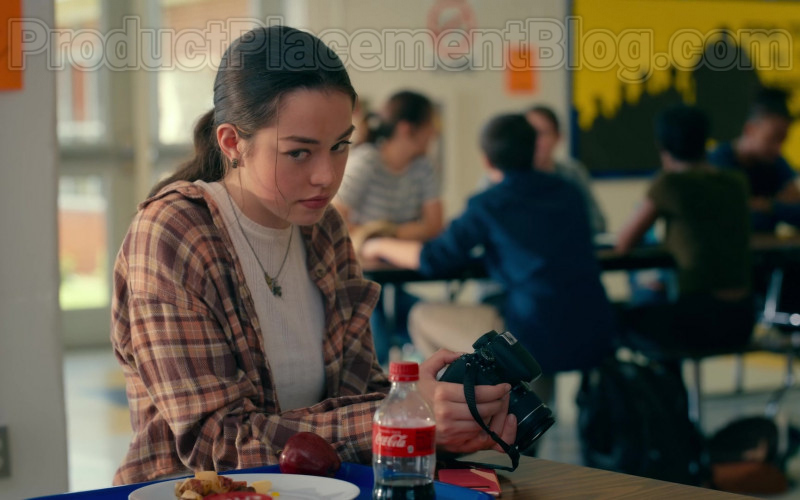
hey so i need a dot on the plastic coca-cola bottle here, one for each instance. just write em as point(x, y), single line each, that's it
point(403, 439)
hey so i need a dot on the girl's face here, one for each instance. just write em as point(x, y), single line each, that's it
point(292, 169)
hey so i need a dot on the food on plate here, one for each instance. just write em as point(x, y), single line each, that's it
point(308, 453)
point(211, 486)
point(264, 487)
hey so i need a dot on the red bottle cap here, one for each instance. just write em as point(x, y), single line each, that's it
point(403, 371)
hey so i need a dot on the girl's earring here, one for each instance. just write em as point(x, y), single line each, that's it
point(235, 163)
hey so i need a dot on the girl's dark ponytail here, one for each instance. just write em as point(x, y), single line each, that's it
point(207, 163)
point(377, 129)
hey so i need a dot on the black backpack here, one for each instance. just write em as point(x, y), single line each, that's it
point(634, 419)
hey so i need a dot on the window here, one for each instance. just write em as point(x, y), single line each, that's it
point(119, 129)
point(82, 208)
point(185, 84)
point(83, 242)
point(78, 81)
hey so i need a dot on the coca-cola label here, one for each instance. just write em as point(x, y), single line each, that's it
point(403, 442)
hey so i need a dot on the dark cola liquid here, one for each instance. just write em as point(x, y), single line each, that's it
point(404, 489)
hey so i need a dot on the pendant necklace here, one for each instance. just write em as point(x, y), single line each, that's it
point(272, 281)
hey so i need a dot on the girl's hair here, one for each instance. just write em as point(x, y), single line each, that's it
point(256, 70)
point(405, 106)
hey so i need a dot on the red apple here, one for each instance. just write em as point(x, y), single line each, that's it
point(308, 453)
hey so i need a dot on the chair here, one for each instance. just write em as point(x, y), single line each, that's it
point(695, 359)
point(782, 313)
point(677, 356)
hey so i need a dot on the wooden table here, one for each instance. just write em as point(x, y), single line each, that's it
point(539, 479)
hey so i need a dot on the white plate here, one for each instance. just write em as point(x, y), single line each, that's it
point(290, 487)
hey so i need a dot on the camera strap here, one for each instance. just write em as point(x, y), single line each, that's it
point(470, 376)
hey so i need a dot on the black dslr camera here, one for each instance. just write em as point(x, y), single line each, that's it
point(499, 358)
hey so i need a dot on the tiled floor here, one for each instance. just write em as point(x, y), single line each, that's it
point(98, 424)
point(99, 429)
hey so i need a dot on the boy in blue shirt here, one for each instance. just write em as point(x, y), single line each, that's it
point(774, 196)
point(534, 236)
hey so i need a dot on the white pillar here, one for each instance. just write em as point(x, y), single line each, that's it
point(31, 384)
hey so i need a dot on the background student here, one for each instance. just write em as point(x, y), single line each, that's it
point(708, 234)
point(756, 153)
point(548, 136)
point(391, 189)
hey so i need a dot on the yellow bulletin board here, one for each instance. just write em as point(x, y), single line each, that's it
point(632, 58)
point(10, 43)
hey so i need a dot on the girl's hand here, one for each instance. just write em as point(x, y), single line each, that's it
point(456, 430)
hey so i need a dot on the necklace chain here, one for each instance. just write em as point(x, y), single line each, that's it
point(272, 282)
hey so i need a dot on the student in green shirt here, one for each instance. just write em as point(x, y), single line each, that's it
point(708, 234)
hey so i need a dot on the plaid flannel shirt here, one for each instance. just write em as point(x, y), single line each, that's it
point(185, 330)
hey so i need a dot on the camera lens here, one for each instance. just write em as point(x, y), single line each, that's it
point(532, 429)
point(533, 416)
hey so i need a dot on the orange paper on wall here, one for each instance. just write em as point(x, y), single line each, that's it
point(10, 44)
point(521, 75)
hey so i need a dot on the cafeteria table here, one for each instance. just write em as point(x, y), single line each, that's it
point(768, 252)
